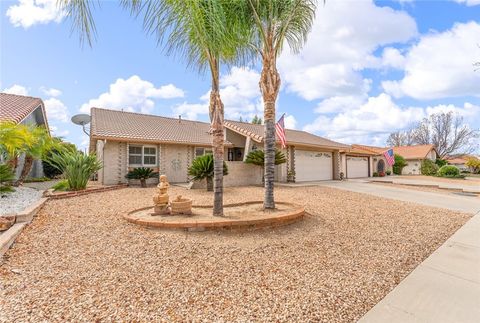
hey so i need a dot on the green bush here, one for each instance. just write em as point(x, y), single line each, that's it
point(400, 163)
point(142, 174)
point(428, 167)
point(6, 178)
point(202, 168)
point(440, 162)
point(61, 186)
point(76, 167)
point(448, 171)
point(375, 174)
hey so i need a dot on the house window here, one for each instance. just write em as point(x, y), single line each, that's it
point(142, 156)
point(200, 151)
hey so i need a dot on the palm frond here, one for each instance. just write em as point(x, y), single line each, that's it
point(81, 14)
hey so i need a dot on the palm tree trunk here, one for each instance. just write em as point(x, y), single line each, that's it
point(216, 117)
point(269, 86)
point(209, 184)
point(27, 167)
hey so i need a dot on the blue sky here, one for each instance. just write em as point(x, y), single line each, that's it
point(368, 68)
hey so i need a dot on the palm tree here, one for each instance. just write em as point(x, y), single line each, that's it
point(36, 149)
point(257, 157)
point(204, 33)
point(14, 138)
point(272, 23)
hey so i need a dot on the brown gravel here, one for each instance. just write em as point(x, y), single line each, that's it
point(80, 261)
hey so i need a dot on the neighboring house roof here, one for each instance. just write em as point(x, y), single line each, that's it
point(414, 152)
point(360, 150)
point(294, 137)
point(129, 126)
point(369, 149)
point(456, 160)
point(16, 108)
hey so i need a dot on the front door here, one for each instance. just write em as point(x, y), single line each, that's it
point(381, 166)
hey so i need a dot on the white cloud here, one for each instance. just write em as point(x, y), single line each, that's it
point(240, 95)
point(133, 94)
point(392, 57)
point(440, 65)
point(30, 12)
point(469, 2)
point(339, 104)
point(56, 110)
point(342, 43)
point(50, 91)
point(370, 121)
point(57, 132)
point(16, 89)
point(290, 122)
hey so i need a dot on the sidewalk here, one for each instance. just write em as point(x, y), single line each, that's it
point(443, 288)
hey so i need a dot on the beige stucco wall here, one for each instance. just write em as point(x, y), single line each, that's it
point(114, 160)
point(241, 174)
point(413, 167)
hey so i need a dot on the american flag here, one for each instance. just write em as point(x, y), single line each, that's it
point(389, 156)
point(280, 129)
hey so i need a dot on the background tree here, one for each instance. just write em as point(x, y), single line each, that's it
point(272, 23)
point(447, 132)
point(400, 138)
point(204, 33)
point(257, 120)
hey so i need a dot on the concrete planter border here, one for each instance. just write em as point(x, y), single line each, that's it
point(62, 195)
point(295, 214)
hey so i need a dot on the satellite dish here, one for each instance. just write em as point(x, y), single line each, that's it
point(81, 119)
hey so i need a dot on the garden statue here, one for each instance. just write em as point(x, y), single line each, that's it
point(161, 199)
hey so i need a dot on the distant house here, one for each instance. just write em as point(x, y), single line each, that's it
point(414, 155)
point(24, 110)
point(125, 140)
point(458, 161)
point(362, 161)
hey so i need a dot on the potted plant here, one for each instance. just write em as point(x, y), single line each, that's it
point(142, 174)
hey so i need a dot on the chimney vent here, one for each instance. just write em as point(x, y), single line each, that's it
point(179, 118)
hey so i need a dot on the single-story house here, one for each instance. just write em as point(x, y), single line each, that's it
point(414, 155)
point(125, 140)
point(28, 111)
point(459, 162)
point(362, 161)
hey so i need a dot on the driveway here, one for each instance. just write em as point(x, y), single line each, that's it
point(452, 202)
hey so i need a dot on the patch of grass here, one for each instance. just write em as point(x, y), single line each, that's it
point(36, 179)
point(61, 186)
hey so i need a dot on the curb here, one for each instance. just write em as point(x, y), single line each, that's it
point(64, 195)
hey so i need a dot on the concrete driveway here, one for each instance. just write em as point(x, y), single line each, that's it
point(466, 204)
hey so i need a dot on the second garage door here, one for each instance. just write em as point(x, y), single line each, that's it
point(313, 165)
point(357, 167)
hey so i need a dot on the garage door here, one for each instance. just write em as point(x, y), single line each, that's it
point(313, 165)
point(357, 167)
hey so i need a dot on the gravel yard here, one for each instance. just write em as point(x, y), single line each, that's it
point(80, 261)
point(17, 201)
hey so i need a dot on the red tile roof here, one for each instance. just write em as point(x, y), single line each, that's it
point(129, 126)
point(294, 137)
point(17, 107)
point(413, 152)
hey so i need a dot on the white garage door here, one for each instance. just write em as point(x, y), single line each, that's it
point(357, 167)
point(313, 165)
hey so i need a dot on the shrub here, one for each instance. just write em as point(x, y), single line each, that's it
point(440, 162)
point(388, 172)
point(400, 163)
point(142, 173)
point(375, 174)
point(6, 178)
point(202, 168)
point(448, 171)
point(428, 167)
point(61, 186)
point(474, 165)
point(257, 157)
point(76, 167)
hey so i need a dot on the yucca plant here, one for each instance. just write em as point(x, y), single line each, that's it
point(202, 168)
point(142, 174)
point(6, 178)
point(76, 167)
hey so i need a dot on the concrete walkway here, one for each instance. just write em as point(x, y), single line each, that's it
point(466, 204)
point(419, 182)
